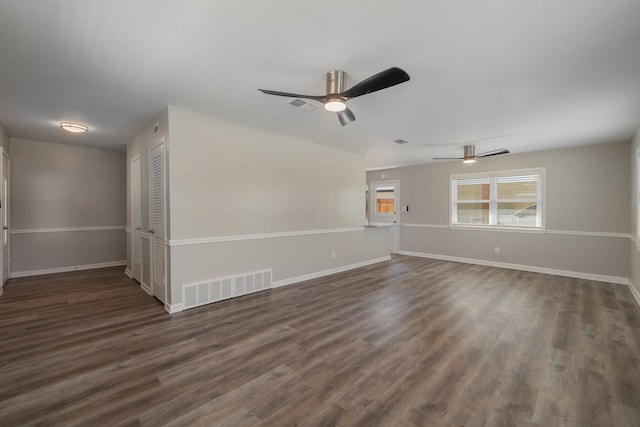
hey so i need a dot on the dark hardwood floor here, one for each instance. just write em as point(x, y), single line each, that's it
point(409, 342)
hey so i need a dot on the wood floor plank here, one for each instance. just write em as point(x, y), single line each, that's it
point(407, 342)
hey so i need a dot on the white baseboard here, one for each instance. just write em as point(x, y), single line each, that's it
point(173, 308)
point(128, 273)
point(16, 274)
point(145, 288)
point(534, 269)
point(292, 280)
point(634, 291)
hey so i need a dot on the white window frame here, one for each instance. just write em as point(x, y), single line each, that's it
point(493, 199)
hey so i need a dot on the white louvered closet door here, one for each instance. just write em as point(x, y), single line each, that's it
point(4, 217)
point(156, 213)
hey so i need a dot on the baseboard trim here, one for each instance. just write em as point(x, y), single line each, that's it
point(17, 274)
point(173, 308)
point(534, 269)
point(634, 292)
point(128, 273)
point(145, 288)
point(305, 277)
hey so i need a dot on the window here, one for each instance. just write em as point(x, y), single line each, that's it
point(385, 200)
point(505, 199)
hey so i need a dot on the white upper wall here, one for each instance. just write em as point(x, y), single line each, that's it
point(228, 179)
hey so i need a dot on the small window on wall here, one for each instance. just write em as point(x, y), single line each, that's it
point(385, 200)
point(504, 199)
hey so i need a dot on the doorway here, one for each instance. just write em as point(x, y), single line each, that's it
point(383, 208)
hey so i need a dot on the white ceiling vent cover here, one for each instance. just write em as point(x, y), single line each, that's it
point(302, 104)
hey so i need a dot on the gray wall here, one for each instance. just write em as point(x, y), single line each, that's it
point(68, 207)
point(586, 213)
point(297, 201)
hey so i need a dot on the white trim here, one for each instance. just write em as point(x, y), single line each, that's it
point(127, 230)
point(425, 225)
point(173, 308)
point(589, 233)
point(526, 230)
point(128, 273)
point(15, 274)
point(146, 236)
point(634, 292)
point(234, 238)
point(145, 288)
point(292, 280)
point(68, 229)
point(534, 269)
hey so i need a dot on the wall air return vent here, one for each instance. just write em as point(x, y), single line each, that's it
point(221, 288)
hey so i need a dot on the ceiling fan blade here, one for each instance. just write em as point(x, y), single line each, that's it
point(493, 153)
point(319, 98)
point(346, 116)
point(448, 158)
point(384, 79)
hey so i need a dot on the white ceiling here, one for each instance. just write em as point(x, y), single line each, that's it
point(523, 75)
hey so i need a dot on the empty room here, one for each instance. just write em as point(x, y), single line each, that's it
point(354, 213)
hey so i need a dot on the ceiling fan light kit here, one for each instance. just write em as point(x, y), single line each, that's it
point(337, 95)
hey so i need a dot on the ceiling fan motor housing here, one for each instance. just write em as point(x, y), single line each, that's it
point(336, 82)
point(469, 152)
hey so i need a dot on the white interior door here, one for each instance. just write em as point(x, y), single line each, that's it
point(4, 218)
point(136, 219)
point(383, 211)
point(156, 220)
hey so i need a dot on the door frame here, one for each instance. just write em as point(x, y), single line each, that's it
point(136, 232)
point(394, 227)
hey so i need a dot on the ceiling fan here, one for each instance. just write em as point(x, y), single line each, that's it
point(470, 155)
point(337, 94)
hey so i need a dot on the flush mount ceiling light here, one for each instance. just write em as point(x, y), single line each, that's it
point(73, 127)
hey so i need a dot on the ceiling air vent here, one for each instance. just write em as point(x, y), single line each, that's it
point(302, 104)
point(400, 141)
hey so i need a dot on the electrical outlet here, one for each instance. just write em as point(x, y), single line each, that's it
point(497, 249)
point(333, 254)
